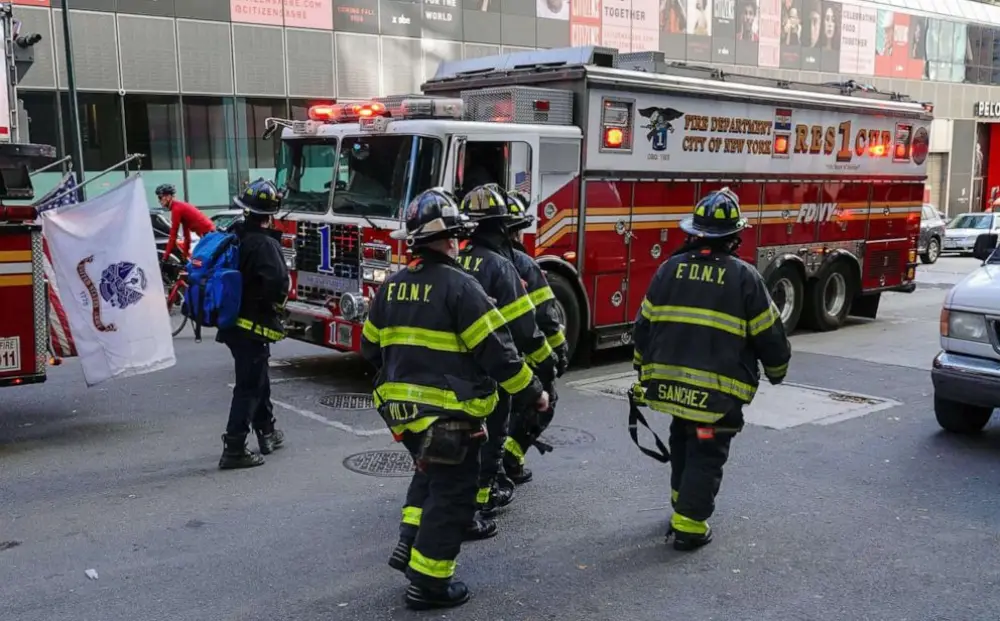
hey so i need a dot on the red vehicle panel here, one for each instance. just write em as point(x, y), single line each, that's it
point(18, 354)
point(789, 214)
point(847, 206)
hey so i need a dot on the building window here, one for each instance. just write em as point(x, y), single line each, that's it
point(42, 118)
point(153, 127)
point(210, 143)
point(101, 130)
point(260, 152)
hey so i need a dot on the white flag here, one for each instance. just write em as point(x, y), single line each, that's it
point(108, 275)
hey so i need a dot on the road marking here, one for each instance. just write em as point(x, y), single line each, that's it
point(319, 418)
point(776, 407)
point(282, 380)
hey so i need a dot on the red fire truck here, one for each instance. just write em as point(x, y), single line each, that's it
point(614, 150)
point(24, 327)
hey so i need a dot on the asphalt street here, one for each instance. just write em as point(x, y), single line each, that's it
point(842, 500)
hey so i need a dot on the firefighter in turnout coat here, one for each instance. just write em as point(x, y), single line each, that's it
point(526, 426)
point(440, 348)
point(488, 256)
point(706, 322)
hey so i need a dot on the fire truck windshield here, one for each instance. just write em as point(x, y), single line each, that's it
point(305, 169)
point(374, 175)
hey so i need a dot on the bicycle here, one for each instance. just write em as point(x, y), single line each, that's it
point(174, 287)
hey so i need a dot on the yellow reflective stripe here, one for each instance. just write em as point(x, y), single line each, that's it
point(483, 495)
point(430, 567)
point(260, 330)
point(698, 416)
point(370, 332)
point(701, 379)
point(541, 354)
point(420, 337)
point(517, 308)
point(695, 316)
point(514, 448)
point(481, 328)
point(415, 426)
point(778, 370)
point(636, 357)
point(687, 525)
point(412, 515)
point(434, 397)
point(764, 320)
point(543, 294)
point(520, 381)
point(556, 340)
point(674, 495)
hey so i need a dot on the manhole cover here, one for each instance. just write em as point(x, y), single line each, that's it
point(381, 463)
point(348, 401)
point(566, 436)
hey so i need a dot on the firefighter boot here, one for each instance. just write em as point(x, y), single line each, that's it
point(686, 542)
point(401, 555)
point(422, 598)
point(270, 442)
point(515, 470)
point(481, 528)
point(236, 455)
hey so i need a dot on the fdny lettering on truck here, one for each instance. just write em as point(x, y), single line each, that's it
point(817, 212)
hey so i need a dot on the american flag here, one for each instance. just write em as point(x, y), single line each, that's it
point(63, 345)
point(522, 182)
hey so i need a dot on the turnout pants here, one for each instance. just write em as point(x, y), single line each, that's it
point(491, 454)
point(440, 505)
point(527, 426)
point(697, 454)
point(251, 404)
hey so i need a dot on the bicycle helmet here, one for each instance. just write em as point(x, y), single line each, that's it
point(165, 189)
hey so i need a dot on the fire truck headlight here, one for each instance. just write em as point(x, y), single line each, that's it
point(353, 306)
point(967, 327)
point(376, 275)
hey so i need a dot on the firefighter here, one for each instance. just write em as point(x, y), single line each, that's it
point(527, 426)
point(440, 348)
point(264, 292)
point(705, 323)
point(488, 256)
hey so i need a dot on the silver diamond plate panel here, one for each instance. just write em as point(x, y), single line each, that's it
point(515, 104)
point(41, 301)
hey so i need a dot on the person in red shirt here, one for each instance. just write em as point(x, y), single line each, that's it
point(182, 214)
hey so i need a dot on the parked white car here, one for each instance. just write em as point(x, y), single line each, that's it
point(962, 232)
point(966, 374)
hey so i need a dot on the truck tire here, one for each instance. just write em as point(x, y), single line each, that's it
point(829, 298)
point(933, 251)
point(568, 306)
point(787, 290)
point(959, 417)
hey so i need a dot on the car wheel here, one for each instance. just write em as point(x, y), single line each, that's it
point(960, 417)
point(932, 253)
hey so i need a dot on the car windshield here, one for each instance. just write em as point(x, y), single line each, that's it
point(305, 171)
point(374, 173)
point(972, 221)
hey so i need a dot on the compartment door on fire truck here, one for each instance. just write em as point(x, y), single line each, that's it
point(510, 163)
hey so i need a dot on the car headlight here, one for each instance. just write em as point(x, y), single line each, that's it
point(964, 326)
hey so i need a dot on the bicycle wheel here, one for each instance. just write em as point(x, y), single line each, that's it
point(175, 300)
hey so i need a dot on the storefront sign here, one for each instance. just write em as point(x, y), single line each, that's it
point(295, 13)
point(988, 109)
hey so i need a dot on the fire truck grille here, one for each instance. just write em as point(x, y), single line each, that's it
point(885, 263)
point(345, 261)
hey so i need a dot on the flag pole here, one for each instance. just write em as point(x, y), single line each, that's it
point(76, 139)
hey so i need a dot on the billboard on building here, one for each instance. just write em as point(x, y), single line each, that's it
point(316, 14)
point(361, 16)
point(723, 31)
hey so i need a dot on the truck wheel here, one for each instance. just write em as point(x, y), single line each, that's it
point(932, 253)
point(829, 298)
point(786, 288)
point(568, 307)
point(959, 417)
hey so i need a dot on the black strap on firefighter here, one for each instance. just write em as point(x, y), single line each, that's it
point(636, 417)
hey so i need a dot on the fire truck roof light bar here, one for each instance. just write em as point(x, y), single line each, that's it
point(421, 107)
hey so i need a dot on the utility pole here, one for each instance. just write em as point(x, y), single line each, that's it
point(76, 139)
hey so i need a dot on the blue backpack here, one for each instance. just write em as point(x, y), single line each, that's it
point(215, 285)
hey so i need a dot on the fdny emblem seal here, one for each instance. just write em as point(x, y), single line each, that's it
point(123, 284)
point(659, 125)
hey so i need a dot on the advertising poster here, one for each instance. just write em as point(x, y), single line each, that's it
point(673, 28)
point(791, 34)
point(442, 19)
point(316, 14)
point(400, 18)
point(584, 22)
point(267, 12)
point(867, 36)
point(356, 16)
point(812, 34)
point(33, 2)
point(699, 30)
point(486, 6)
point(553, 9)
point(960, 53)
point(884, 43)
point(747, 32)
point(829, 40)
point(917, 48)
point(769, 33)
point(723, 30)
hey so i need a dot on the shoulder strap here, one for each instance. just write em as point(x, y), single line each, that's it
point(635, 416)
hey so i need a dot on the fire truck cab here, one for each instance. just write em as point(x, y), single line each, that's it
point(614, 150)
